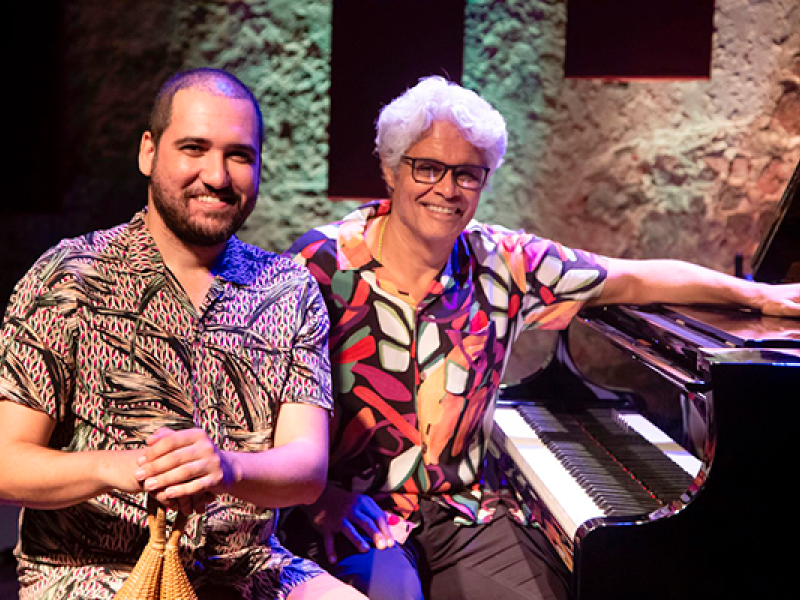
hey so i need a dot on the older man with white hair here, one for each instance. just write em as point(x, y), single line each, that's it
point(425, 304)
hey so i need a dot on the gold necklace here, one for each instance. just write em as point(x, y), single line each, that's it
point(380, 238)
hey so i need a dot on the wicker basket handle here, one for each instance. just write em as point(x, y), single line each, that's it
point(159, 572)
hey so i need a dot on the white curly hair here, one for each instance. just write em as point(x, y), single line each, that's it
point(407, 118)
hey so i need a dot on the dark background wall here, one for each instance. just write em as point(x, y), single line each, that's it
point(686, 169)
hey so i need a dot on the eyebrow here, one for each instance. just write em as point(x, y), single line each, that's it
point(191, 140)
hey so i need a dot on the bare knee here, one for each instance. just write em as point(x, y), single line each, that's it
point(325, 587)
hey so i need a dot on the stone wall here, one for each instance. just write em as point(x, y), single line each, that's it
point(281, 49)
point(690, 170)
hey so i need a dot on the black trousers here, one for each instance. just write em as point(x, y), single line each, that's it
point(445, 561)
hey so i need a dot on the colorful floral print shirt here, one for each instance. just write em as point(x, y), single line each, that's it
point(101, 337)
point(415, 386)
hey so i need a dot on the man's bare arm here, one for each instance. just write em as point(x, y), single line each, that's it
point(33, 475)
point(678, 282)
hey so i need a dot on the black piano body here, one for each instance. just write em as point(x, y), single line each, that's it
point(729, 534)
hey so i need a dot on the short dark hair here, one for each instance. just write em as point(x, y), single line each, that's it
point(215, 81)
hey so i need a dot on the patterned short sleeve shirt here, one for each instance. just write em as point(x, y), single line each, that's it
point(415, 385)
point(100, 336)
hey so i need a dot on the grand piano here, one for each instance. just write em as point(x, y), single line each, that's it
point(704, 510)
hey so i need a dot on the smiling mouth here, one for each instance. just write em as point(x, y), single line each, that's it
point(442, 210)
point(211, 200)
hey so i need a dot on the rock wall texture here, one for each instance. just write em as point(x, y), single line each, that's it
point(281, 48)
point(685, 169)
point(690, 170)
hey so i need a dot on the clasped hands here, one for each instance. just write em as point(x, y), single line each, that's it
point(183, 470)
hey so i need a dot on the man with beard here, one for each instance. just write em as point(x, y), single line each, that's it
point(165, 360)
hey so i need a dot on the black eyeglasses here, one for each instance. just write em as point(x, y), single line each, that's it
point(429, 171)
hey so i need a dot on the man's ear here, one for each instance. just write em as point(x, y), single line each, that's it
point(147, 153)
point(389, 178)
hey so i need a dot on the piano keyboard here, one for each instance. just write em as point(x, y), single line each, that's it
point(597, 463)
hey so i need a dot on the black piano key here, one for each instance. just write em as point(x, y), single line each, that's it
point(620, 470)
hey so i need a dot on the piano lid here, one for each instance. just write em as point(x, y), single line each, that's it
point(675, 339)
point(737, 327)
point(777, 259)
point(770, 356)
point(706, 326)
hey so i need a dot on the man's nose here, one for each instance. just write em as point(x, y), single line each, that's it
point(447, 185)
point(215, 171)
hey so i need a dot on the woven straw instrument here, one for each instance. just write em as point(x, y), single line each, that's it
point(159, 573)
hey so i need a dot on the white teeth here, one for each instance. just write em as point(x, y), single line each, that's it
point(441, 209)
point(208, 199)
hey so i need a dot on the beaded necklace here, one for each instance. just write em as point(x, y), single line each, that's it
point(380, 238)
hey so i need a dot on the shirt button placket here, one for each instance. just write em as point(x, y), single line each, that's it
point(196, 366)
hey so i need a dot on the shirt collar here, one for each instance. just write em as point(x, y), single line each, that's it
point(143, 256)
point(237, 262)
point(139, 248)
point(352, 252)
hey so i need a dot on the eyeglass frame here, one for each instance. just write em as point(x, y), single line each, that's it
point(447, 168)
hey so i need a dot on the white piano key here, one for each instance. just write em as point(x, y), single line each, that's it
point(663, 442)
point(558, 489)
point(570, 504)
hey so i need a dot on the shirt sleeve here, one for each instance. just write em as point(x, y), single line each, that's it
point(555, 281)
point(309, 379)
point(36, 354)
point(560, 281)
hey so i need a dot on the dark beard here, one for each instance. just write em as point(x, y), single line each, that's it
point(176, 217)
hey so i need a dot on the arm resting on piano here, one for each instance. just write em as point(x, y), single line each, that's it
point(678, 282)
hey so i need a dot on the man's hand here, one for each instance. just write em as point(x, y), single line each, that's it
point(781, 300)
point(183, 469)
point(186, 470)
point(356, 516)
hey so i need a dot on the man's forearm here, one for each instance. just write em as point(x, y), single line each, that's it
point(294, 471)
point(283, 476)
point(675, 282)
point(38, 477)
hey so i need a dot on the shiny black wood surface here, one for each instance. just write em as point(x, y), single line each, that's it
point(730, 541)
point(726, 539)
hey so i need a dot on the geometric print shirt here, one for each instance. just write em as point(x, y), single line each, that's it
point(415, 385)
point(100, 336)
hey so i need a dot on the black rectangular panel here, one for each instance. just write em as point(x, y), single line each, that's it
point(380, 48)
point(639, 39)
